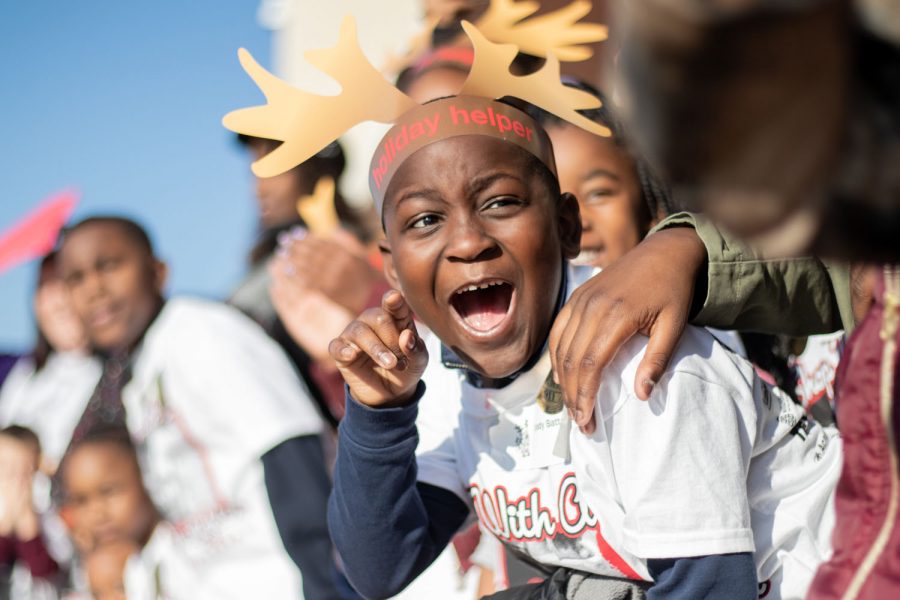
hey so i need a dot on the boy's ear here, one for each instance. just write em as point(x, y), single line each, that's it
point(160, 275)
point(387, 264)
point(569, 225)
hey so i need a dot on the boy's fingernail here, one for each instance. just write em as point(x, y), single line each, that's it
point(385, 358)
point(298, 232)
point(578, 415)
point(411, 344)
point(347, 352)
point(283, 238)
point(649, 383)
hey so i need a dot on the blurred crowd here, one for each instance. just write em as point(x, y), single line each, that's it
point(175, 447)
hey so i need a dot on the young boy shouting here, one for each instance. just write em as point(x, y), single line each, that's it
point(717, 487)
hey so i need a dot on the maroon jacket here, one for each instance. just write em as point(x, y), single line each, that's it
point(866, 561)
point(32, 552)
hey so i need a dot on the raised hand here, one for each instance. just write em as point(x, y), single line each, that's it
point(649, 290)
point(381, 355)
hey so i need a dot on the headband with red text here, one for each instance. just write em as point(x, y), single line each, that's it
point(451, 117)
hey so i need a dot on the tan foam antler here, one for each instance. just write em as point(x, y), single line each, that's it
point(307, 122)
point(490, 77)
point(558, 32)
point(317, 209)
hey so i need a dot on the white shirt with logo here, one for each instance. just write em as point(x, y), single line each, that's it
point(715, 462)
point(210, 394)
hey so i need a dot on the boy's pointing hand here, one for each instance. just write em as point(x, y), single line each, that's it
point(381, 355)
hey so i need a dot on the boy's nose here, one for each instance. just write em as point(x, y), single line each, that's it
point(469, 242)
point(92, 285)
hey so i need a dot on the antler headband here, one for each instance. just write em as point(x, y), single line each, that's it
point(307, 122)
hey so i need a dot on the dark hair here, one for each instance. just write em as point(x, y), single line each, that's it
point(654, 191)
point(42, 348)
point(449, 58)
point(116, 436)
point(22, 434)
point(330, 160)
point(130, 228)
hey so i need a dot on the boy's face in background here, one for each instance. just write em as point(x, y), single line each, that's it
point(105, 496)
point(114, 283)
point(604, 180)
point(277, 196)
point(477, 241)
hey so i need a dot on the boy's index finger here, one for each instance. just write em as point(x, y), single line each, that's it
point(395, 305)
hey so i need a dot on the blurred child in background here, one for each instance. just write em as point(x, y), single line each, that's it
point(228, 437)
point(327, 276)
point(47, 390)
point(107, 507)
point(21, 538)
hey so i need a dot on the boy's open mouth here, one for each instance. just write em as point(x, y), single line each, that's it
point(483, 306)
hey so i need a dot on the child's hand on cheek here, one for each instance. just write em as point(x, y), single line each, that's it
point(381, 355)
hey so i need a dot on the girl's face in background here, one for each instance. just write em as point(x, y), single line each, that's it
point(603, 178)
point(105, 496)
point(54, 313)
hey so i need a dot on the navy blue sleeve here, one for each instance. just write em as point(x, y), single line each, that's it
point(720, 576)
point(297, 484)
point(387, 527)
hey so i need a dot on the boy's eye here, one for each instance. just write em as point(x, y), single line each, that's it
point(107, 264)
point(502, 202)
point(423, 221)
point(73, 279)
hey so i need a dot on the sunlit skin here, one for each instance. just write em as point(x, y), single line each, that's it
point(471, 209)
point(603, 178)
point(277, 196)
point(105, 495)
point(105, 570)
point(114, 284)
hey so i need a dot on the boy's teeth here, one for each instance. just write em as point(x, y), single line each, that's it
point(474, 287)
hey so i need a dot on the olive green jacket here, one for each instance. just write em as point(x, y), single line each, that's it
point(746, 291)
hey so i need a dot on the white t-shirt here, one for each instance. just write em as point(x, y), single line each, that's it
point(51, 401)
point(709, 465)
point(210, 394)
point(817, 366)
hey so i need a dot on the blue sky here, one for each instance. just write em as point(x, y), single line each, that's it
point(123, 101)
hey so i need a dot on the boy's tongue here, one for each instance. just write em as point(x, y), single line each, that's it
point(484, 309)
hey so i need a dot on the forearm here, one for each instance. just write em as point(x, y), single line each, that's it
point(731, 576)
point(298, 486)
point(741, 289)
point(387, 529)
